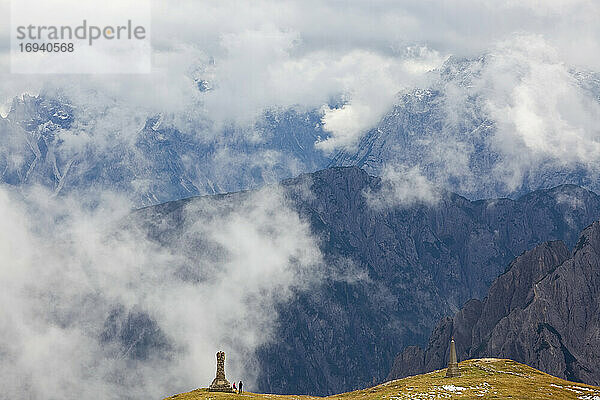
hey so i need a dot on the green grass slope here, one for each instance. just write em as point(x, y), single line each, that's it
point(487, 378)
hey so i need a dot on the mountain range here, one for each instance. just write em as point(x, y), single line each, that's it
point(447, 131)
point(543, 311)
point(412, 266)
point(52, 140)
point(392, 271)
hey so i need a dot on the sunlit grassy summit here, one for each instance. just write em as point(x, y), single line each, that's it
point(486, 378)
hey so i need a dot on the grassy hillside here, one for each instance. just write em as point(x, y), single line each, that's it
point(487, 378)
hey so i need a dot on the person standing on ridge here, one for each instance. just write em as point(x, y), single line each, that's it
point(234, 388)
point(240, 386)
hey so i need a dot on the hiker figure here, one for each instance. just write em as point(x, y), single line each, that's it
point(240, 386)
point(234, 388)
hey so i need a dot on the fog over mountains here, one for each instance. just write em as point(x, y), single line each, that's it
point(388, 256)
point(450, 133)
point(395, 270)
point(309, 186)
point(460, 135)
point(57, 144)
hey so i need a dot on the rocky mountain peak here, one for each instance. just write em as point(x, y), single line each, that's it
point(540, 311)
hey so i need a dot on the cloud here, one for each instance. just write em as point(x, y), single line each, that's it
point(4, 109)
point(371, 84)
point(351, 63)
point(540, 109)
point(514, 113)
point(402, 187)
point(515, 119)
point(260, 70)
point(95, 310)
point(282, 53)
point(73, 281)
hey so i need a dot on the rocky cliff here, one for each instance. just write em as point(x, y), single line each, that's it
point(543, 311)
point(150, 160)
point(408, 266)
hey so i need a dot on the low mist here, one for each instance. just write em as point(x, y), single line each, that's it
point(94, 307)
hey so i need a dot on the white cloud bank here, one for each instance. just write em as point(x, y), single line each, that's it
point(371, 86)
point(540, 109)
point(65, 270)
point(531, 110)
point(62, 269)
point(267, 53)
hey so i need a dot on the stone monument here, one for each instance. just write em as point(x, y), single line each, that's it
point(453, 370)
point(220, 384)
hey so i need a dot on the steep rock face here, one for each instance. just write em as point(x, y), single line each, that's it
point(410, 266)
point(544, 311)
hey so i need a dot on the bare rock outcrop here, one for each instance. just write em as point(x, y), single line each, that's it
point(543, 311)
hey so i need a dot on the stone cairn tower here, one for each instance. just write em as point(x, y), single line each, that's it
point(453, 370)
point(220, 384)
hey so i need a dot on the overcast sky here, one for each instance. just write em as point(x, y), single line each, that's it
point(282, 53)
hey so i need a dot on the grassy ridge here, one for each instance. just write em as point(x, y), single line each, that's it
point(487, 378)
